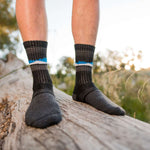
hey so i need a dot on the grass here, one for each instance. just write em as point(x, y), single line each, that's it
point(129, 89)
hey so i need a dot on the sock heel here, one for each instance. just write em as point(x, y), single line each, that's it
point(74, 97)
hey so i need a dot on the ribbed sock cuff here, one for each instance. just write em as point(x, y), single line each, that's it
point(28, 44)
point(36, 51)
point(84, 54)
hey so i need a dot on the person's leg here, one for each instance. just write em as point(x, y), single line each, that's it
point(32, 20)
point(31, 17)
point(85, 20)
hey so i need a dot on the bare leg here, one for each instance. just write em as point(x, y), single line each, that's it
point(43, 110)
point(32, 20)
point(85, 19)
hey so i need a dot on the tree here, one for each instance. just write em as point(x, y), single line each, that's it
point(114, 60)
point(8, 26)
point(66, 66)
point(106, 63)
point(97, 63)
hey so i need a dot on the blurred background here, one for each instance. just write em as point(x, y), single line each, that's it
point(121, 63)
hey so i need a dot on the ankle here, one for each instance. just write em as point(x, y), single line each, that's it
point(79, 88)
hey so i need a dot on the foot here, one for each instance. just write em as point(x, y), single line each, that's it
point(89, 94)
point(43, 110)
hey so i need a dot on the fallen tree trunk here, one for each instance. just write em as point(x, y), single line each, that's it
point(82, 127)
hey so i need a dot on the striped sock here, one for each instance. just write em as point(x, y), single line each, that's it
point(85, 90)
point(43, 110)
point(36, 52)
point(84, 63)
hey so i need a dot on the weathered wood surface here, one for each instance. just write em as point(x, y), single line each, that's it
point(82, 128)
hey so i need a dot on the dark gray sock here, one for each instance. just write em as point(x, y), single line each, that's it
point(85, 90)
point(43, 110)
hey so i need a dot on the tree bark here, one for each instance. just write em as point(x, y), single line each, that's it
point(82, 127)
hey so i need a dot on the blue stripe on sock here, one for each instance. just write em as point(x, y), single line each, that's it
point(41, 59)
point(84, 62)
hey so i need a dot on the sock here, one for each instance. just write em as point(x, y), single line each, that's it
point(43, 110)
point(85, 90)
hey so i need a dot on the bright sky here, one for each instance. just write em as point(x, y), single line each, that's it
point(123, 24)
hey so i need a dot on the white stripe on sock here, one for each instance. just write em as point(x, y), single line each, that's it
point(38, 62)
point(87, 64)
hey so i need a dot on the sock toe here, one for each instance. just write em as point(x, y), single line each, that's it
point(46, 121)
point(101, 102)
point(43, 111)
point(118, 111)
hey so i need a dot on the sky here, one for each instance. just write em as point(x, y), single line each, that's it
point(123, 25)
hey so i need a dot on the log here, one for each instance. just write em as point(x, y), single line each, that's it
point(82, 127)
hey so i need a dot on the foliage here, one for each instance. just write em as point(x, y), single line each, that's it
point(114, 60)
point(130, 89)
point(66, 67)
point(8, 26)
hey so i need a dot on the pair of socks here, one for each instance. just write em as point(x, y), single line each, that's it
point(44, 110)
